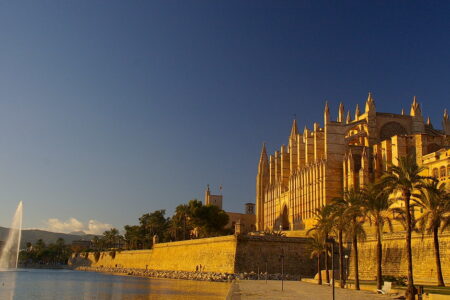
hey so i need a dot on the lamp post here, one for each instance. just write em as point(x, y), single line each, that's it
point(266, 270)
point(346, 268)
point(331, 241)
point(282, 268)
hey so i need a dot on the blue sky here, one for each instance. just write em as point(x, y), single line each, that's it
point(111, 109)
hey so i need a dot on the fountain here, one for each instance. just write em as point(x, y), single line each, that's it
point(9, 255)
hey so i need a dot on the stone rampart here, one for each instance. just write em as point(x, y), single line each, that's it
point(395, 261)
point(226, 254)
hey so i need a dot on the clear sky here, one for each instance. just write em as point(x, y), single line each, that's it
point(111, 109)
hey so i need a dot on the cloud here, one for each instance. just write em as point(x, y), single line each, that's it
point(72, 224)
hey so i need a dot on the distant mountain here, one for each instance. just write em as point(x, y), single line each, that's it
point(78, 233)
point(32, 235)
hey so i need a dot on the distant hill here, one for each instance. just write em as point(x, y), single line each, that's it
point(32, 235)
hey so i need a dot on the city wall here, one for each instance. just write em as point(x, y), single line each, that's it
point(227, 254)
point(395, 260)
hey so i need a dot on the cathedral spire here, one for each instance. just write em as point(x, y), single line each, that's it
point(370, 104)
point(429, 121)
point(348, 119)
point(326, 113)
point(415, 108)
point(341, 112)
point(446, 123)
point(263, 156)
point(403, 111)
point(294, 130)
point(357, 112)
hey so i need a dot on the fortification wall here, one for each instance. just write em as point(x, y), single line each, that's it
point(253, 253)
point(214, 254)
point(395, 261)
point(227, 254)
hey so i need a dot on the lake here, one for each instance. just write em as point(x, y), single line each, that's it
point(67, 284)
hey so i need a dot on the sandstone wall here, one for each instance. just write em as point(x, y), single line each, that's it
point(214, 254)
point(227, 254)
point(254, 252)
point(395, 261)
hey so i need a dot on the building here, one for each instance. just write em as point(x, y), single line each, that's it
point(318, 164)
point(213, 199)
point(244, 221)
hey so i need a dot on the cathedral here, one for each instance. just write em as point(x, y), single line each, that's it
point(319, 164)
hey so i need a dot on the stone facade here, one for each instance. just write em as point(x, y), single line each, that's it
point(317, 165)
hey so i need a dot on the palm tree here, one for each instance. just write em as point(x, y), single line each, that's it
point(339, 224)
point(317, 248)
point(353, 215)
point(435, 202)
point(323, 227)
point(405, 178)
point(377, 207)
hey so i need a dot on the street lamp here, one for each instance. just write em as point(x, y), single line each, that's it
point(282, 268)
point(347, 267)
point(331, 241)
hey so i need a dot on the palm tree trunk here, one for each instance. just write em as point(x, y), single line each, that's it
point(319, 271)
point(327, 274)
point(355, 249)
point(437, 255)
point(411, 293)
point(341, 259)
point(379, 258)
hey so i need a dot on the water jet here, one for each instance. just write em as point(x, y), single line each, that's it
point(9, 256)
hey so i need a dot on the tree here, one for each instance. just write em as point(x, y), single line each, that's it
point(352, 213)
point(153, 224)
point(210, 220)
point(181, 222)
point(339, 225)
point(133, 237)
point(317, 248)
point(377, 208)
point(323, 226)
point(435, 202)
point(405, 178)
point(111, 237)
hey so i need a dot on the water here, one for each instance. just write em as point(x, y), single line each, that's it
point(9, 256)
point(66, 284)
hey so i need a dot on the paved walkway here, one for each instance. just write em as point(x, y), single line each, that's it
point(254, 289)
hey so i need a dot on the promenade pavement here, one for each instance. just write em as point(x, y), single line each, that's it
point(254, 289)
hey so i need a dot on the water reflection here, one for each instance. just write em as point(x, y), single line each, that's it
point(65, 284)
point(7, 284)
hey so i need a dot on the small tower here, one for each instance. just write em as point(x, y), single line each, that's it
point(249, 208)
point(293, 152)
point(341, 113)
point(213, 199)
point(370, 115)
point(370, 105)
point(262, 181)
point(357, 112)
point(326, 114)
point(417, 120)
point(446, 123)
point(364, 171)
point(348, 119)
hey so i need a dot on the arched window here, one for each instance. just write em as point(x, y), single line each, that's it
point(435, 173)
point(442, 171)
